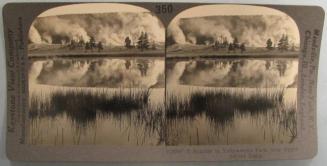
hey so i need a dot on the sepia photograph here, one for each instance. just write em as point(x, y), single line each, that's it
point(96, 76)
point(161, 82)
point(231, 75)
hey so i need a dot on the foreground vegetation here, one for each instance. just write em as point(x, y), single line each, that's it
point(83, 106)
point(219, 108)
point(222, 103)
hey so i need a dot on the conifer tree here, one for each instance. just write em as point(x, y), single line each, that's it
point(128, 42)
point(140, 41)
point(269, 44)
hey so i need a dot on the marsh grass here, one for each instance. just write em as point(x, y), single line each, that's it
point(222, 103)
point(221, 106)
point(84, 106)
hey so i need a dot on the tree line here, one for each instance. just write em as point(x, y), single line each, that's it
point(143, 43)
point(230, 46)
point(89, 45)
point(282, 45)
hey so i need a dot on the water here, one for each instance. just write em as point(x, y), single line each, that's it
point(121, 101)
point(231, 101)
point(96, 101)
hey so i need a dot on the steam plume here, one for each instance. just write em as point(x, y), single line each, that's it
point(110, 28)
point(254, 30)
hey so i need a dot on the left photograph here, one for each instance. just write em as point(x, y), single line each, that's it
point(96, 76)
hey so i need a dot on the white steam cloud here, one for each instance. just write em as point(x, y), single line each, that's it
point(34, 35)
point(253, 30)
point(110, 28)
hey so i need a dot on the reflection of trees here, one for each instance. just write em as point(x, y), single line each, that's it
point(143, 66)
point(278, 65)
point(234, 73)
point(236, 65)
point(127, 64)
point(268, 65)
point(281, 67)
point(92, 67)
point(99, 72)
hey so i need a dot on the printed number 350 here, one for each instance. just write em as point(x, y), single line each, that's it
point(164, 8)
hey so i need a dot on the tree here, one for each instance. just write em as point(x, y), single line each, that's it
point(236, 44)
point(286, 44)
point(231, 47)
point(283, 43)
point(81, 43)
point(92, 43)
point(87, 46)
point(72, 44)
point(269, 44)
point(143, 41)
point(140, 41)
point(100, 46)
point(242, 47)
point(216, 45)
point(146, 43)
point(128, 42)
point(154, 47)
point(225, 42)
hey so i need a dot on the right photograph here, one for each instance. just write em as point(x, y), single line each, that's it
point(231, 76)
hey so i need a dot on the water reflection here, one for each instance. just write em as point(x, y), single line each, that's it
point(124, 102)
point(231, 101)
point(143, 73)
point(96, 101)
point(234, 73)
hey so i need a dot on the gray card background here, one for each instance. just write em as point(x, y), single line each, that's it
point(320, 159)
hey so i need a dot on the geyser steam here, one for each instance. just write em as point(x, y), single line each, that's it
point(253, 30)
point(110, 28)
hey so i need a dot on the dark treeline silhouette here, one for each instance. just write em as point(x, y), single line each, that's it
point(88, 45)
point(143, 43)
point(229, 46)
point(282, 44)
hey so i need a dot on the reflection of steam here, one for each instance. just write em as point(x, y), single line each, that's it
point(153, 74)
point(252, 30)
point(34, 71)
point(176, 73)
point(110, 28)
point(98, 73)
point(241, 73)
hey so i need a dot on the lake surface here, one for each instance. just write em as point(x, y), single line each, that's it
point(231, 101)
point(96, 101)
point(130, 101)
